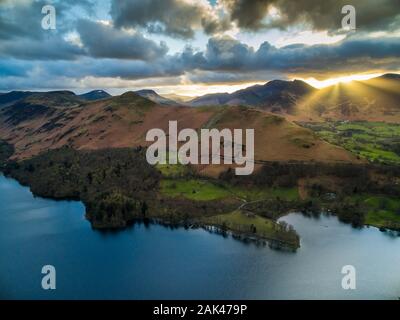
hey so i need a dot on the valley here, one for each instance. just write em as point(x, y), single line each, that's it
point(377, 142)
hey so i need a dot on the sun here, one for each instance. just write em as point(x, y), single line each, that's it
point(336, 80)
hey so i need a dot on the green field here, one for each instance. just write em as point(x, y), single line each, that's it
point(198, 189)
point(379, 210)
point(193, 189)
point(173, 170)
point(237, 220)
point(375, 141)
point(254, 193)
point(383, 212)
point(241, 222)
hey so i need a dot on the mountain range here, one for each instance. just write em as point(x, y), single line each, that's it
point(374, 99)
point(363, 100)
point(37, 121)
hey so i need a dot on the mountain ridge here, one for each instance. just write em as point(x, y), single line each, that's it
point(273, 94)
point(123, 121)
point(155, 97)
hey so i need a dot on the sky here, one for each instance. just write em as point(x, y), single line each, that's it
point(193, 47)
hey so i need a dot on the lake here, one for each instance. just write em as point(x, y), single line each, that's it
point(155, 262)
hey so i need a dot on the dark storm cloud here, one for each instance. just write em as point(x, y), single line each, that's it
point(104, 41)
point(109, 68)
point(172, 17)
point(22, 35)
point(224, 60)
point(29, 54)
point(322, 15)
point(229, 59)
point(215, 77)
point(20, 20)
point(131, 70)
point(228, 54)
point(24, 18)
point(50, 48)
point(350, 54)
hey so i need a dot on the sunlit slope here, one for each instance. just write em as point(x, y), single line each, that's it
point(377, 99)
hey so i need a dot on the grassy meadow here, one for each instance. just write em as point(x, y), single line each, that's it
point(378, 142)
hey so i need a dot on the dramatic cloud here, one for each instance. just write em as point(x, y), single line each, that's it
point(51, 48)
point(20, 19)
point(321, 15)
point(179, 18)
point(22, 36)
point(104, 41)
point(116, 46)
point(228, 54)
point(23, 18)
point(226, 60)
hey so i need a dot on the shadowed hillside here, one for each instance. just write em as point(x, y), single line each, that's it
point(155, 97)
point(275, 96)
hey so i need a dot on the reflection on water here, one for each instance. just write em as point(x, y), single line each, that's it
point(154, 262)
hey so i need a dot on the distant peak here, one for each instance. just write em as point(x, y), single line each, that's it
point(391, 76)
point(95, 95)
point(97, 91)
point(145, 91)
point(129, 94)
point(67, 92)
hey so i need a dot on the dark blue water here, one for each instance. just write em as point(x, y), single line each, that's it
point(158, 263)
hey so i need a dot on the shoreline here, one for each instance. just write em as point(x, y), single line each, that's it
point(194, 224)
point(117, 186)
point(244, 237)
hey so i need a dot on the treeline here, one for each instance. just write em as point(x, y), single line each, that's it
point(356, 178)
point(330, 187)
point(6, 151)
point(117, 186)
point(114, 184)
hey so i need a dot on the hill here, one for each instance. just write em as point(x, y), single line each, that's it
point(155, 97)
point(12, 97)
point(275, 96)
point(178, 97)
point(123, 121)
point(52, 98)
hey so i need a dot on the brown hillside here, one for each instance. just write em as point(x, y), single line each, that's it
point(123, 121)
